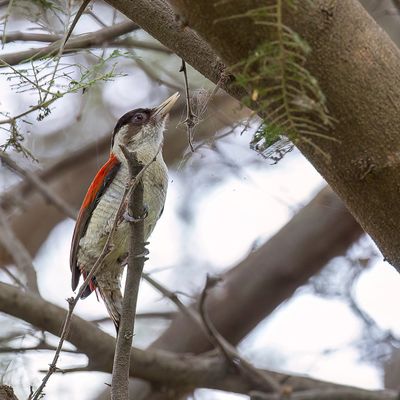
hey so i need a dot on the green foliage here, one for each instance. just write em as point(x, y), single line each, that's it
point(53, 77)
point(51, 80)
point(280, 88)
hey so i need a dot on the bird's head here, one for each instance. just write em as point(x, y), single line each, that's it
point(142, 127)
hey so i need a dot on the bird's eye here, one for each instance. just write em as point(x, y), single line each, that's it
point(139, 118)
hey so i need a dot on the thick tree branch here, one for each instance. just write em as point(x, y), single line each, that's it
point(271, 274)
point(161, 367)
point(359, 78)
point(318, 394)
point(160, 21)
point(7, 393)
point(88, 40)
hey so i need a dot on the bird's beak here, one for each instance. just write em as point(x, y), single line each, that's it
point(164, 108)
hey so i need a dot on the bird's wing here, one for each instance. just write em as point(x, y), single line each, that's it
point(96, 189)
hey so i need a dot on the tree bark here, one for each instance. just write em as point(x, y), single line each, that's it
point(7, 393)
point(356, 65)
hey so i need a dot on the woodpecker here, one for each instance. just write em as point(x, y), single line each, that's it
point(140, 130)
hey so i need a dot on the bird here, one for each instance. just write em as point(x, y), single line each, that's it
point(142, 131)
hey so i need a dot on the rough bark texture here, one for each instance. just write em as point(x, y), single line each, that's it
point(7, 393)
point(356, 64)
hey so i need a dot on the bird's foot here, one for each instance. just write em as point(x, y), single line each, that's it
point(144, 254)
point(130, 218)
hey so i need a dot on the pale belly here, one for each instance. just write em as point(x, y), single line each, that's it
point(155, 182)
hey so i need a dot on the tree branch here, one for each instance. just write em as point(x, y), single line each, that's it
point(270, 274)
point(19, 254)
point(247, 370)
point(72, 302)
point(266, 277)
point(87, 40)
point(159, 367)
point(360, 90)
point(187, 311)
point(159, 20)
point(136, 259)
point(318, 394)
point(39, 185)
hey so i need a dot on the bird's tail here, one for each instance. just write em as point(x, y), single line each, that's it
point(113, 300)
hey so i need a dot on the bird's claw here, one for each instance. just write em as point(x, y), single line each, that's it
point(130, 218)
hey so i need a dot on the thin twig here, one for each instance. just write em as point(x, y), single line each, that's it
point(39, 346)
point(72, 301)
point(188, 311)
point(16, 280)
point(96, 17)
point(40, 185)
point(259, 379)
point(61, 47)
point(154, 75)
point(18, 252)
point(190, 117)
point(144, 315)
point(75, 21)
point(136, 259)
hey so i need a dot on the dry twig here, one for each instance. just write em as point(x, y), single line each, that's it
point(18, 252)
point(40, 185)
point(189, 312)
point(259, 379)
point(202, 320)
point(190, 120)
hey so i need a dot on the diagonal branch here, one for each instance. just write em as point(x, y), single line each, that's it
point(157, 366)
point(87, 40)
point(160, 21)
point(247, 370)
point(359, 92)
point(18, 252)
point(268, 276)
point(39, 185)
